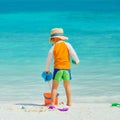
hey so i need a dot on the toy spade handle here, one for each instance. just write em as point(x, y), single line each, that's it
point(49, 85)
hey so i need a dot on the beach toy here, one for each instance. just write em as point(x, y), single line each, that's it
point(47, 98)
point(116, 104)
point(47, 76)
point(60, 109)
point(51, 107)
point(73, 61)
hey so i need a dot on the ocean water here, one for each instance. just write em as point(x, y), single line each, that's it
point(24, 45)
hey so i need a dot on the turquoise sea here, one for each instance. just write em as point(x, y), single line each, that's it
point(24, 45)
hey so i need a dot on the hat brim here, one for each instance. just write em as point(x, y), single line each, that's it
point(61, 37)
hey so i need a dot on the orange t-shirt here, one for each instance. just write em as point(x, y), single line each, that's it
point(61, 56)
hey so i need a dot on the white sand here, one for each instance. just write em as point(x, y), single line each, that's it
point(78, 111)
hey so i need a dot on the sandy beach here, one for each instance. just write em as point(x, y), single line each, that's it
point(93, 29)
point(78, 111)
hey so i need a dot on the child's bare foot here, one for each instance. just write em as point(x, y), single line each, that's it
point(68, 104)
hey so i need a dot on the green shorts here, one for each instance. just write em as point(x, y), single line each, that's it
point(61, 74)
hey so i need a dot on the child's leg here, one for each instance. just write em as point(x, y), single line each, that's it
point(54, 91)
point(68, 91)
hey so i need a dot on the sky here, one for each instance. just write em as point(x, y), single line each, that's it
point(38, 5)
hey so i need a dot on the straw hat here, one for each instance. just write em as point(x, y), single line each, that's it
point(58, 33)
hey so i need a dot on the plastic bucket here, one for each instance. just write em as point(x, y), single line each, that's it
point(47, 98)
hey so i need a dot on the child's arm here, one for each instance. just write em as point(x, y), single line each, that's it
point(73, 54)
point(49, 59)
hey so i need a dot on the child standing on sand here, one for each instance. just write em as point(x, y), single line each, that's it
point(61, 52)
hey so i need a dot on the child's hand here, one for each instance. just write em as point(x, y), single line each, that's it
point(47, 72)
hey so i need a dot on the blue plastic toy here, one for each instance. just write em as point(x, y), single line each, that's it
point(47, 76)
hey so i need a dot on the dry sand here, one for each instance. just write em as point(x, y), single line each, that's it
point(78, 111)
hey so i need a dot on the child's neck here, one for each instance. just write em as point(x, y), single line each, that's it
point(58, 41)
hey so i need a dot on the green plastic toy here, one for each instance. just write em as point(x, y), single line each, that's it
point(73, 61)
point(116, 104)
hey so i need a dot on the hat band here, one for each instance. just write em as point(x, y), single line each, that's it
point(57, 34)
